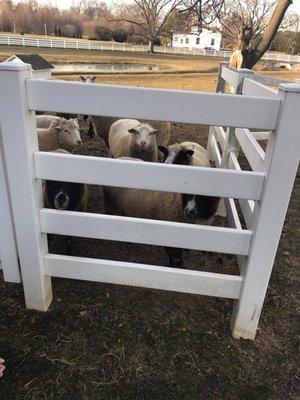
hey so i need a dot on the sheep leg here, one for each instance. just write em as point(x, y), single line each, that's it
point(91, 130)
point(175, 259)
point(68, 245)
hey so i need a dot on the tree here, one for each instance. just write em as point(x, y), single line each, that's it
point(150, 17)
point(120, 35)
point(249, 25)
point(103, 33)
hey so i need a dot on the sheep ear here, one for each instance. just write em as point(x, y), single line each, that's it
point(93, 78)
point(155, 132)
point(132, 130)
point(82, 78)
point(189, 153)
point(164, 150)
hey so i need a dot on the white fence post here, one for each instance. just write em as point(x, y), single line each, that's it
point(19, 140)
point(23, 41)
point(8, 248)
point(232, 144)
point(8, 40)
point(220, 88)
point(281, 164)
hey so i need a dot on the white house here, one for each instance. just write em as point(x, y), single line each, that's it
point(41, 68)
point(196, 40)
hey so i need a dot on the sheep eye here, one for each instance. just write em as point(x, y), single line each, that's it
point(65, 130)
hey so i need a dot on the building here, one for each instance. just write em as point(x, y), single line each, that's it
point(194, 40)
point(40, 67)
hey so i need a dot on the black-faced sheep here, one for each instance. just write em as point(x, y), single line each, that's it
point(100, 126)
point(164, 206)
point(130, 138)
point(61, 134)
point(191, 153)
point(65, 195)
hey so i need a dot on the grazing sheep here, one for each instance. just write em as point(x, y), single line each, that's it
point(162, 206)
point(100, 126)
point(61, 133)
point(130, 138)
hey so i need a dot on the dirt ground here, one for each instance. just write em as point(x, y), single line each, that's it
point(101, 341)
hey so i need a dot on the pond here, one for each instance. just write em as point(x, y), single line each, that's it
point(84, 68)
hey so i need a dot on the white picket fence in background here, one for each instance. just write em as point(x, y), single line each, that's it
point(20, 40)
point(263, 192)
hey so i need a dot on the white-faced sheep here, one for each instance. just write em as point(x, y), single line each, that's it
point(100, 126)
point(60, 134)
point(130, 138)
point(165, 206)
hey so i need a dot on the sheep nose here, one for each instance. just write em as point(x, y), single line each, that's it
point(143, 143)
point(191, 214)
point(79, 142)
point(61, 198)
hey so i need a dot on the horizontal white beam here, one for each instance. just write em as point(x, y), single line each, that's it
point(152, 104)
point(252, 88)
point(146, 231)
point(142, 275)
point(229, 76)
point(252, 150)
point(145, 175)
point(215, 151)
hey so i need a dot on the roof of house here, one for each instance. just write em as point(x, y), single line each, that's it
point(36, 61)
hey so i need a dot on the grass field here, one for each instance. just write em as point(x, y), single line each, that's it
point(109, 342)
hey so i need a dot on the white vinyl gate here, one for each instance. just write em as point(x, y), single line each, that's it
point(263, 192)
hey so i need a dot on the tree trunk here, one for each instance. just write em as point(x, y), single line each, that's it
point(252, 56)
point(151, 46)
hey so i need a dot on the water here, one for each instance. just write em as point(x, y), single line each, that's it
point(105, 67)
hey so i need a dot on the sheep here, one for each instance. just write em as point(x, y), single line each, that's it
point(163, 205)
point(59, 134)
point(130, 138)
point(65, 196)
point(100, 126)
point(192, 154)
point(45, 120)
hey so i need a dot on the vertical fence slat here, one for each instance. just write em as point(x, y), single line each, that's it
point(19, 140)
point(8, 248)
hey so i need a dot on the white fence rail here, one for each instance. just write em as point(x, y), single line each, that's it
point(263, 194)
point(68, 43)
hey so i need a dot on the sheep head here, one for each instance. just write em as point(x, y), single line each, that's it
point(143, 136)
point(68, 132)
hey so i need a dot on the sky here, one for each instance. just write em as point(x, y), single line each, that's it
point(67, 3)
